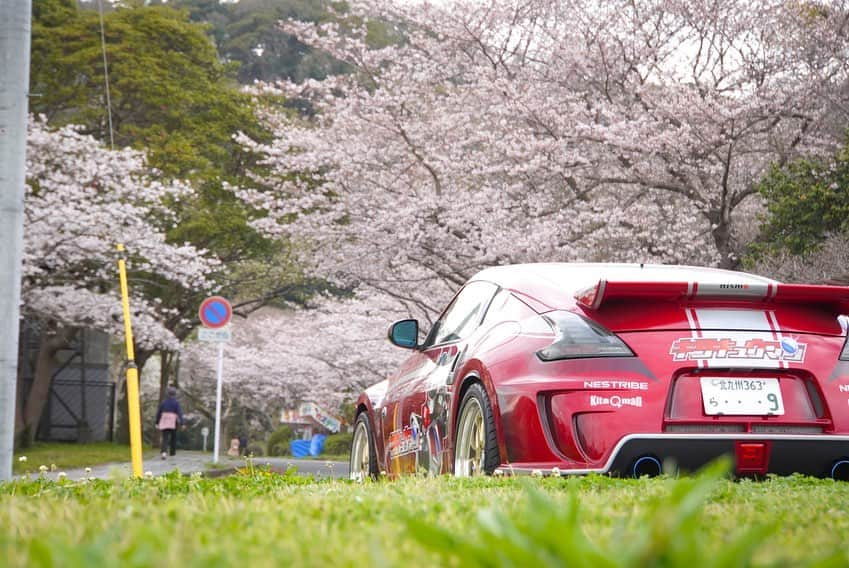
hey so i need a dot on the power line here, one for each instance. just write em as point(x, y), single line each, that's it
point(106, 74)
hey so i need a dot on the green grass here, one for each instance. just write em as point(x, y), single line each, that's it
point(69, 456)
point(262, 519)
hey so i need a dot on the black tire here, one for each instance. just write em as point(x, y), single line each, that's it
point(360, 466)
point(468, 459)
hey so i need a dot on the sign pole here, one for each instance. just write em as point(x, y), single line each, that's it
point(218, 401)
point(215, 313)
point(134, 409)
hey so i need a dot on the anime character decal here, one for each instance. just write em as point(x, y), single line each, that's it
point(417, 447)
point(428, 429)
point(419, 419)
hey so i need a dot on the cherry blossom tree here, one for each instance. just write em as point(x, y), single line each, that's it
point(82, 199)
point(566, 130)
point(278, 358)
point(502, 132)
point(825, 264)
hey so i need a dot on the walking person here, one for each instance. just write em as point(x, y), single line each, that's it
point(168, 417)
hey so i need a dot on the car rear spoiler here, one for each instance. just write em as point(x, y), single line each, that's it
point(833, 297)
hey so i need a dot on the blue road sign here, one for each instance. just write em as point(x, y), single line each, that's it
point(215, 312)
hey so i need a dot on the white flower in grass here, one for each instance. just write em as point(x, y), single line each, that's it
point(22, 459)
point(61, 475)
point(555, 471)
point(87, 470)
point(42, 468)
point(148, 475)
point(537, 473)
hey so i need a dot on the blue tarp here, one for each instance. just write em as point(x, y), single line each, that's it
point(300, 448)
point(317, 444)
point(304, 448)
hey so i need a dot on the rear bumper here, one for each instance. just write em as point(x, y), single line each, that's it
point(813, 455)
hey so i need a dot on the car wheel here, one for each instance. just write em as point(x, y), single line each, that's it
point(475, 442)
point(363, 462)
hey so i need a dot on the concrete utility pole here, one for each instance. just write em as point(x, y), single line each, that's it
point(15, 17)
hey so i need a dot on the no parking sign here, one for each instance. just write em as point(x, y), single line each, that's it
point(215, 312)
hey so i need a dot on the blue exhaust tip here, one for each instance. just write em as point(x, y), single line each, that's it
point(649, 465)
point(840, 470)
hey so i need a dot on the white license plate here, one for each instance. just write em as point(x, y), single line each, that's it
point(736, 396)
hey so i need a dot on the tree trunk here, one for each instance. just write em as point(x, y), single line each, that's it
point(19, 393)
point(721, 233)
point(122, 420)
point(122, 426)
point(51, 342)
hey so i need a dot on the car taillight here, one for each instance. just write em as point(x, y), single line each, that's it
point(577, 337)
point(844, 325)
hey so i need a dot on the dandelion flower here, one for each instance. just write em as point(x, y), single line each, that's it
point(88, 470)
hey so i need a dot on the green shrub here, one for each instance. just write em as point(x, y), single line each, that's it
point(256, 449)
point(338, 444)
point(278, 441)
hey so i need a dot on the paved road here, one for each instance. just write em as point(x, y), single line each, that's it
point(191, 462)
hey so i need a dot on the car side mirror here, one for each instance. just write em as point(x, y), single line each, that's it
point(405, 333)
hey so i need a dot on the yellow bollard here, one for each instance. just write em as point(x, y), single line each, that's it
point(134, 409)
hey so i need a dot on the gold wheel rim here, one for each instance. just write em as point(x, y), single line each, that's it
point(471, 441)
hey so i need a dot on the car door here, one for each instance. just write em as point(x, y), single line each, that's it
point(419, 415)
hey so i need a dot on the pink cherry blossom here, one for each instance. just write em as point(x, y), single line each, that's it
point(82, 200)
point(564, 130)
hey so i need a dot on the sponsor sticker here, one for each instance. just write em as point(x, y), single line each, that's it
point(701, 348)
point(616, 385)
point(616, 401)
point(403, 442)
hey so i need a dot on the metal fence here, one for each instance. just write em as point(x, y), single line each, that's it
point(81, 403)
point(78, 411)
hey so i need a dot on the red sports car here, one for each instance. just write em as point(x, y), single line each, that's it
point(620, 369)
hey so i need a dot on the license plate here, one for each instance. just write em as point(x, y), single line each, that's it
point(735, 396)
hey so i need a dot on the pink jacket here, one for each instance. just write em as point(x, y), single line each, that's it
point(168, 421)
